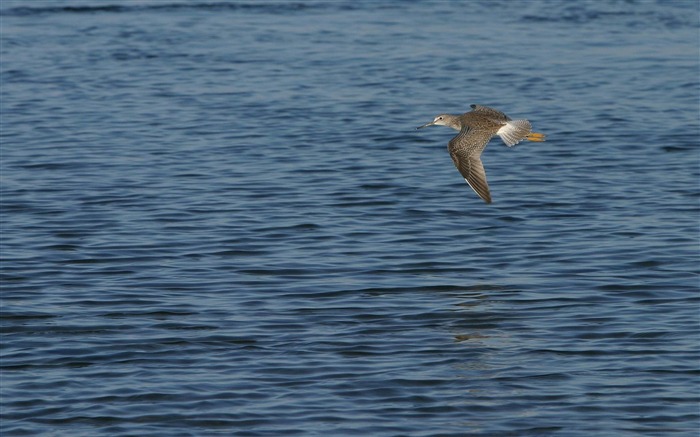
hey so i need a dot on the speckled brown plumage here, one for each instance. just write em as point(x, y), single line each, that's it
point(476, 128)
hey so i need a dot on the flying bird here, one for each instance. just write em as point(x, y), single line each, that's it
point(476, 128)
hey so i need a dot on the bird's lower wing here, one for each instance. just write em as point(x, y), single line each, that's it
point(471, 168)
point(465, 150)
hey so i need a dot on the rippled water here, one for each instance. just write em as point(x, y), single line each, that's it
point(219, 219)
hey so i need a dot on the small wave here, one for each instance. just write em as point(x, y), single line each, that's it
point(596, 13)
point(114, 9)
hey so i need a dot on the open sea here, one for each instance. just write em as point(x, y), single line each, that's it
point(219, 219)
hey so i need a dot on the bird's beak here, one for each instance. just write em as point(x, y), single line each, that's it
point(426, 125)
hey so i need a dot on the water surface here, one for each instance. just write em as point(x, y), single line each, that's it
point(219, 219)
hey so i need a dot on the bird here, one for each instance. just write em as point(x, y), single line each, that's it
point(476, 128)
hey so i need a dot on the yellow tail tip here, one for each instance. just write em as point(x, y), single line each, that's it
point(536, 136)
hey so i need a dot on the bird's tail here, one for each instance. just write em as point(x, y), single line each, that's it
point(514, 131)
point(536, 136)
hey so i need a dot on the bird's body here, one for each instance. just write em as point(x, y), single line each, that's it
point(476, 128)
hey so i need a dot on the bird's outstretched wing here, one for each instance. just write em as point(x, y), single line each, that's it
point(465, 150)
point(490, 112)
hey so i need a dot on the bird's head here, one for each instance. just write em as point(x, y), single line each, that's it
point(443, 120)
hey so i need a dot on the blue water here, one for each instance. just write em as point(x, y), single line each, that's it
point(219, 219)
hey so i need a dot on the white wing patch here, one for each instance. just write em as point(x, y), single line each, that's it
point(470, 186)
point(514, 131)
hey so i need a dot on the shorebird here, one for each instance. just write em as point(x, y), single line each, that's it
point(476, 128)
